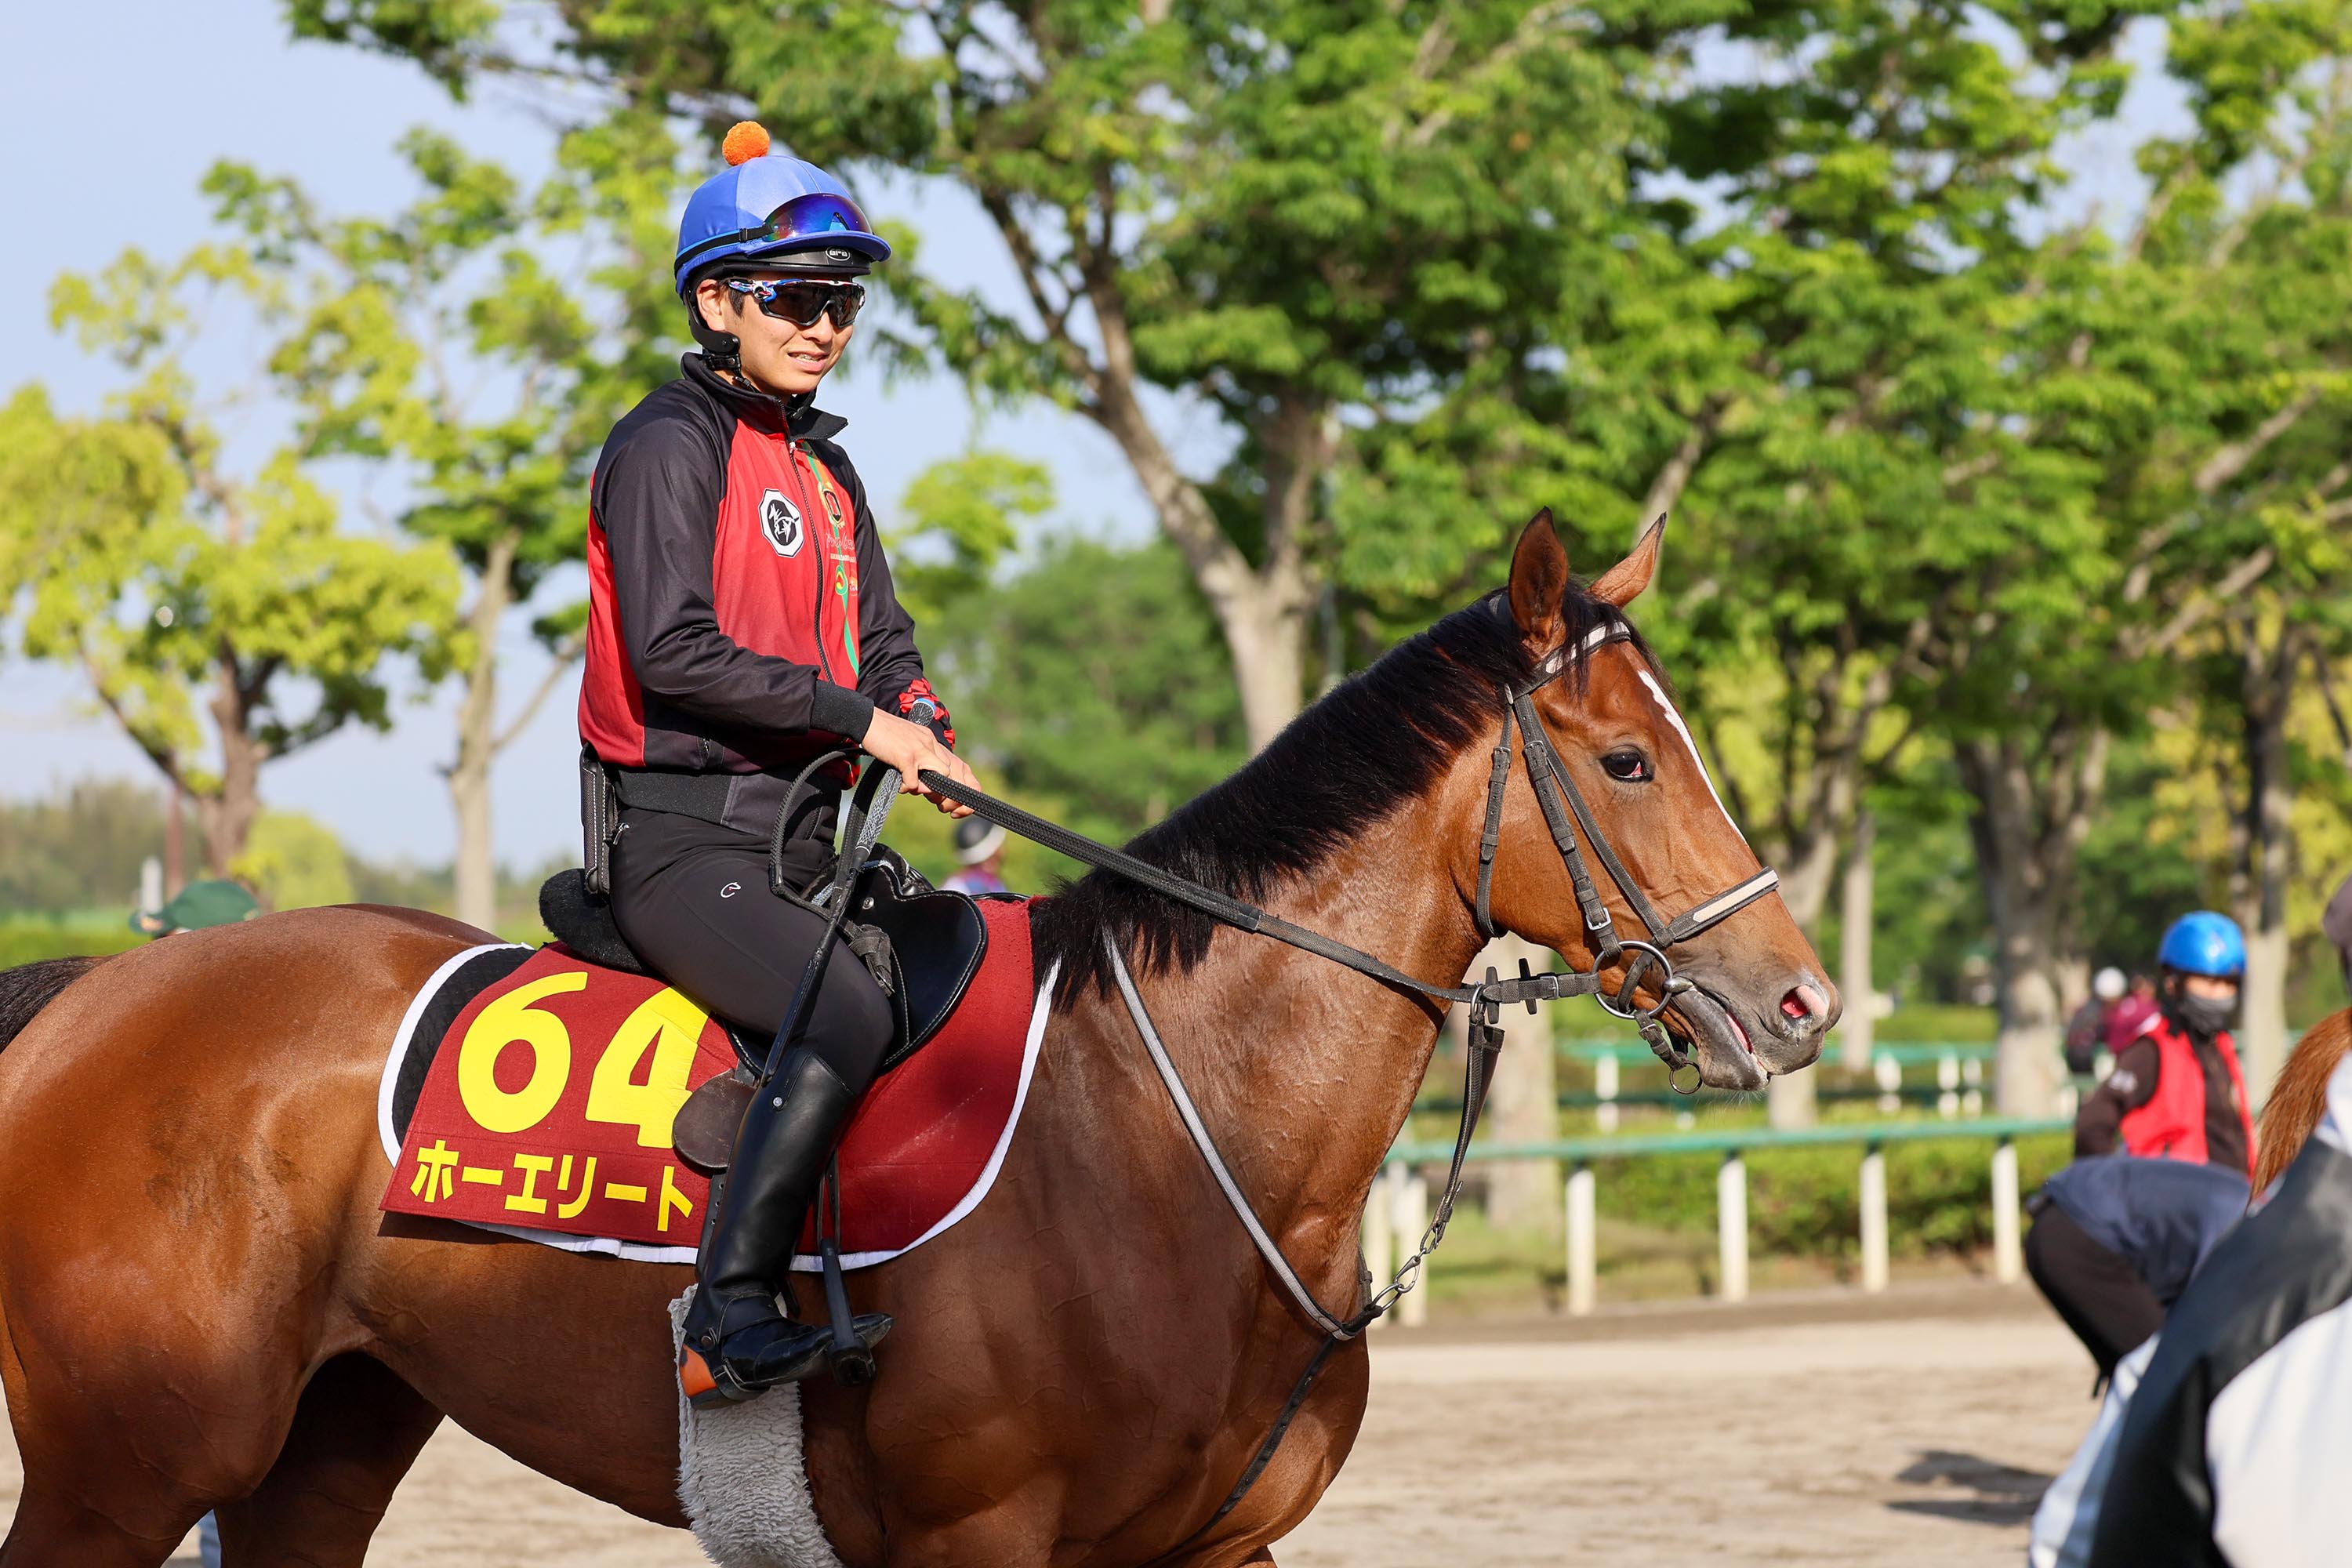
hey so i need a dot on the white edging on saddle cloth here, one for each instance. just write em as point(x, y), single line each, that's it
point(644, 1252)
point(742, 1478)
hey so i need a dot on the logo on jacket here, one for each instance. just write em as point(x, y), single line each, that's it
point(779, 519)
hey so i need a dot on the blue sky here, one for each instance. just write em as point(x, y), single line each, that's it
point(106, 146)
point(107, 143)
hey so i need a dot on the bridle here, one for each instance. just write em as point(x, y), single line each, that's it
point(1552, 784)
point(1564, 814)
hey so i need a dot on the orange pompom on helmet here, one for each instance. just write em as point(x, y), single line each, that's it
point(775, 211)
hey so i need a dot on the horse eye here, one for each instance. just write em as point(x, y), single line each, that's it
point(1627, 766)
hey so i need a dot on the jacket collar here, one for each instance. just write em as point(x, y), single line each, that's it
point(798, 417)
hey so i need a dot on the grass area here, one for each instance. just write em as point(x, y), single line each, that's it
point(29, 939)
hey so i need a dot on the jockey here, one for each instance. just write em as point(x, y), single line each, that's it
point(742, 623)
point(2177, 1090)
point(2115, 1239)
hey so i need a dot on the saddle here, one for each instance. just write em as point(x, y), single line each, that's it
point(922, 945)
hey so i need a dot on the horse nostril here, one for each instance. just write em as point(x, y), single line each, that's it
point(1803, 1004)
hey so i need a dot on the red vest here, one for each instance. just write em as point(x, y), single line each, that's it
point(2172, 1123)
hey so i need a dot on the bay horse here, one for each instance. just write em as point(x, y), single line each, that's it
point(201, 1308)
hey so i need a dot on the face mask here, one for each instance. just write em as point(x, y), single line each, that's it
point(2205, 1014)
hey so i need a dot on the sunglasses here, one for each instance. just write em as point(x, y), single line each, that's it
point(802, 301)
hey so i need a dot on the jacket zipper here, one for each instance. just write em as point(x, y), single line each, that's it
point(808, 512)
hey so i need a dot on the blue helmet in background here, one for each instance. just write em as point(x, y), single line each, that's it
point(770, 210)
point(2204, 943)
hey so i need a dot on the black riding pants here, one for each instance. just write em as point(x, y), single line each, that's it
point(2094, 1287)
point(692, 898)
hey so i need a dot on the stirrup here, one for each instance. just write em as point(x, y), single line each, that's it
point(708, 1384)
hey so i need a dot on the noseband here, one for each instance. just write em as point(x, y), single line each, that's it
point(1552, 785)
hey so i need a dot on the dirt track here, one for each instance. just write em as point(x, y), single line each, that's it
point(1812, 1432)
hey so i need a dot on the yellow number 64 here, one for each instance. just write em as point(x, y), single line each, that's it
point(512, 1020)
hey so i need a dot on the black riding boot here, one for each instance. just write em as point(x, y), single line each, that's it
point(737, 1342)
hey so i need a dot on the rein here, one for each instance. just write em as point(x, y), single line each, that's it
point(1565, 812)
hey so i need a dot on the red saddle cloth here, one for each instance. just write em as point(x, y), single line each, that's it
point(547, 1106)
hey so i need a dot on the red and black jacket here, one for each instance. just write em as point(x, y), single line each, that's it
point(742, 619)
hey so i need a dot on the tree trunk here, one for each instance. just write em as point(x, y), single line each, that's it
point(1267, 632)
point(226, 815)
point(1856, 912)
point(2269, 690)
point(1523, 1106)
point(470, 774)
point(1264, 612)
point(2028, 825)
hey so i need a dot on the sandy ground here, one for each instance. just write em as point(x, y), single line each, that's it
point(1918, 1428)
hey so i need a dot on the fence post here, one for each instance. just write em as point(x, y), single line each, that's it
point(1873, 1217)
point(1379, 1257)
point(1948, 1080)
point(1972, 1076)
point(1731, 1222)
point(1888, 1071)
point(1583, 1251)
point(2008, 1255)
point(1411, 1219)
point(1604, 1089)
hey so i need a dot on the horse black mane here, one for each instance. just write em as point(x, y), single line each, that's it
point(1370, 747)
point(30, 987)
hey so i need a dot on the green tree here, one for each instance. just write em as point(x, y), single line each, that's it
point(480, 342)
point(1291, 218)
point(184, 589)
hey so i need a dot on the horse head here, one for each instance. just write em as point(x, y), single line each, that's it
point(1756, 1002)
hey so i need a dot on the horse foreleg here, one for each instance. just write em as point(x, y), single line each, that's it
point(356, 1431)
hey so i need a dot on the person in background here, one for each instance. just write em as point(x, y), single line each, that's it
point(2088, 1030)
point(2130, 1016)
point(198, 905)
point(979, 851)
point(2177, 1090)
point(2115, 1238)
point(2115, 1241)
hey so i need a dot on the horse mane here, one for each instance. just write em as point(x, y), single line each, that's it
point(2299, 1099)
point(1367, 749)
point(28, 989)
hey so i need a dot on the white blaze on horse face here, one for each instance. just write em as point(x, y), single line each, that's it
point(1675, 719)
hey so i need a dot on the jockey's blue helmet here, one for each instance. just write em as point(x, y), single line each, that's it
point(2204, 943)
point(773, 211)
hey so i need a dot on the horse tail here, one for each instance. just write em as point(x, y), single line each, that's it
point(2298, 1100)
point(29, 988)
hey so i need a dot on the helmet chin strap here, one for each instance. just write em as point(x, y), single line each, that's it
point(723, 349)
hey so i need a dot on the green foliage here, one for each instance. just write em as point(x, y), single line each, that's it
point(25, 939)
point(963, 516)
point(80, 848)
point(1088, 680)
point(179, 587)
point(293, 862)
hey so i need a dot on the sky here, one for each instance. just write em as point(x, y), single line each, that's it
point(106, 148)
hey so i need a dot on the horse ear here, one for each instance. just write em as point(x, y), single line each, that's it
point(1622, 582)
point(1538, 580)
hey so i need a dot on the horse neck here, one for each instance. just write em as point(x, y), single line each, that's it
point(1305, 1070)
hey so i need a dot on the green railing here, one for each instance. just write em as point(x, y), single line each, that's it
point(1399, 1212)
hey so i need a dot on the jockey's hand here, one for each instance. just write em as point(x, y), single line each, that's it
point(910, 748)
